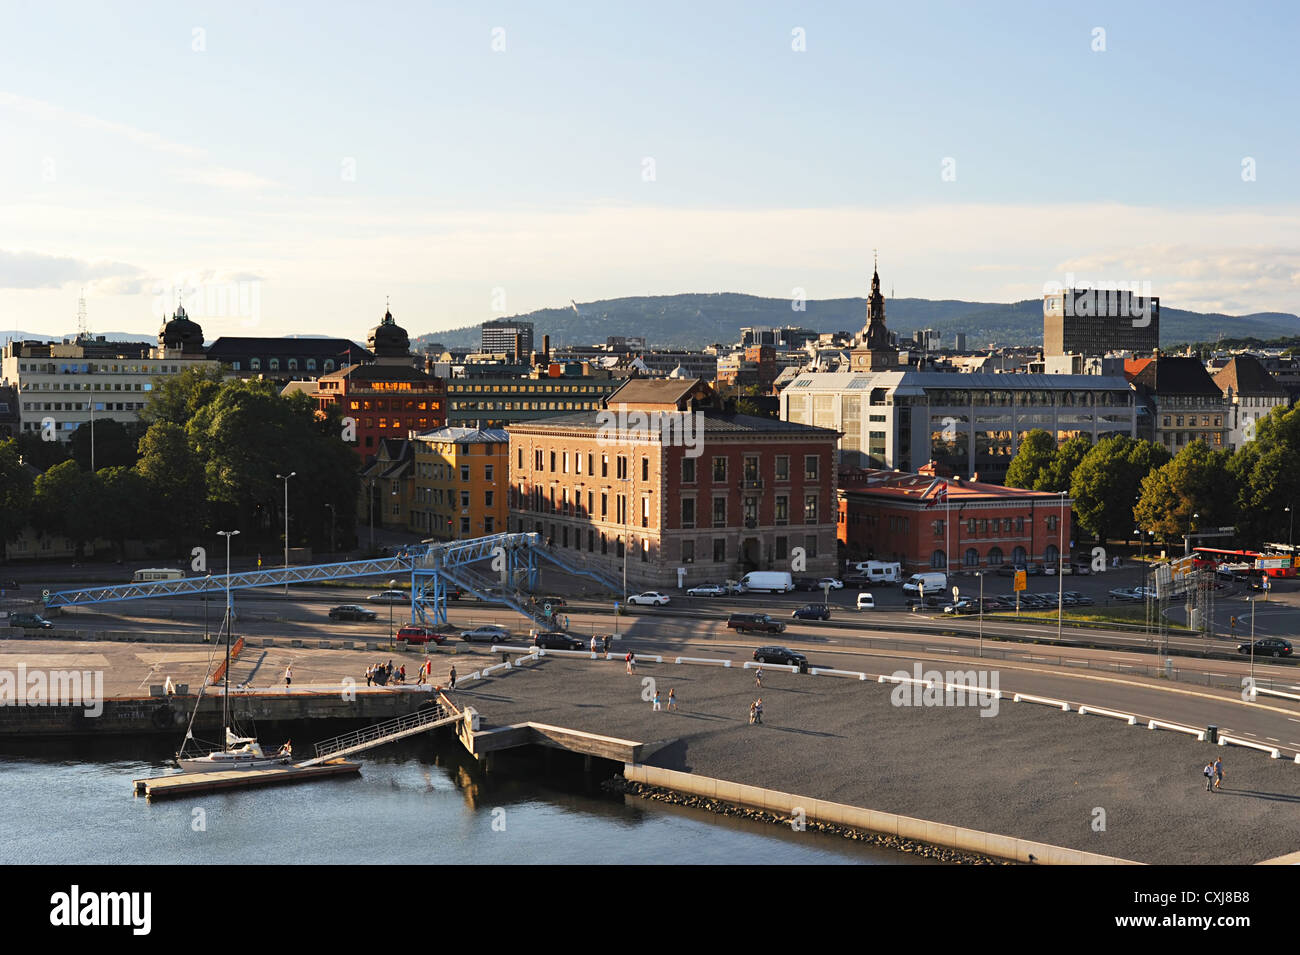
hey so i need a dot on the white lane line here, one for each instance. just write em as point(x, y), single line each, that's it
point(1293, 719)
point(1272, 739)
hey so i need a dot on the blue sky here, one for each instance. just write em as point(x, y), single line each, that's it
point(476, 160)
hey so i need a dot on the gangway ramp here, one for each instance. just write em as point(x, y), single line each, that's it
point(388, 731)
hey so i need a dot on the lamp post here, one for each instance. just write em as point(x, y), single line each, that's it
point(1060, 570)
point(225, 696)
point(392, 585)
point(980, 575)
point(1252, 640)
point(1290, 534)
point(285, 479)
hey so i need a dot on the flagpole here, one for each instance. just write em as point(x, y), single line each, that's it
point(947, 530)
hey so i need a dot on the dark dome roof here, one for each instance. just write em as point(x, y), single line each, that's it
point(181, 333)
point(388, 339)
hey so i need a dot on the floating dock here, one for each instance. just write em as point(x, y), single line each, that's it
point(191, 784)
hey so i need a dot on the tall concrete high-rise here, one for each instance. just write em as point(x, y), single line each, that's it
point(1092, 322)
point(504, 335)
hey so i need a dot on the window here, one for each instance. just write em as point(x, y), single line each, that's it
point(719, 512)
point(487, 472)
point(464, 498)
point(782, 548)
point(810, 467)
point(1050, 554)
point(645, 512)
point(464, 527)
point(488, 497)
point(552, 462)
point(688, 470)
point(783, 467)
point(810, 509)
point(604, 506)
point(995, 557)
point(688, 512)
point(782, 509)
point(719, 469)
point(566, 463)
point(604, 465)
point(970, 526)
point(1019, 557)
point(621, 468)
point(810, 545)
point(971, 558)
point(489, 525)
point(688, 552)
point(1052, 520)
point(938, 560)
point(645, 469)
point(751, 467)
point(719, 550)
point(939, 528)
point(464, 472)
point(645, 549)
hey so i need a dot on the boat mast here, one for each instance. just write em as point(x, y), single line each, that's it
point(225, 693)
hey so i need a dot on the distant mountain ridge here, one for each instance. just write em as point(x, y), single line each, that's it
point(693, 320)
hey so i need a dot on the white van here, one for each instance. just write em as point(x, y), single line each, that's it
point(935, 582)
point(773, 581)
point(880, 572)
point(866, 602)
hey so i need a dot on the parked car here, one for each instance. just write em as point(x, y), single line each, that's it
point(390, 597)
point(866, 602)
point(1126, 593)
point(651, 597)
point(1082, 600)
point(783, 655)
point(414, 634)
point(30, 621)
point(1268, 647)
point(812, 612)
point(833, 582)
point(554, 640)
point(807, 584)
point(707, 590)
point(927, 602)
point(352, 612)
point(745, 622)
point(964, 605)
point(489, 632)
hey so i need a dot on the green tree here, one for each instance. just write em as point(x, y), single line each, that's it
point(15, 492)
point(116, 444)
point(1032, 460)
point(1106, 483)
point(126, 506)
point(65, 501)
point(175, 481)
point(177, 398)
point(1193, 491)
point(41, 455)
point(1267, 480)
point(1059, 472)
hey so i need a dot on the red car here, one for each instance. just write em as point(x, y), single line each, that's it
point(414, 634)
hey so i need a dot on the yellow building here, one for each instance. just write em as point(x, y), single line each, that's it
point(462, 481)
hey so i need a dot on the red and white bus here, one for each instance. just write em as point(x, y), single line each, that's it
point(1271, 563)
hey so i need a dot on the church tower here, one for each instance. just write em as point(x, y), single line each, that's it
point(875, 351)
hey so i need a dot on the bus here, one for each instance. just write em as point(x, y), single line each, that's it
point(157, 573)
point(1248, 561)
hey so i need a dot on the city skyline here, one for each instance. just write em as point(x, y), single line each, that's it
point(473, 167)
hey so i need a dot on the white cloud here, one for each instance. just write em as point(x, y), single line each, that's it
point(33, 270)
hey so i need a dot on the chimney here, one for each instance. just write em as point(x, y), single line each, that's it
point(546, 348)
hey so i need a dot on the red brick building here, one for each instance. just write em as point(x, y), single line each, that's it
point(384, 401)
point(663, 470)
point(917, 519)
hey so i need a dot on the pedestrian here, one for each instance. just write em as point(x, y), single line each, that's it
point(609, 642)
point(451, 679)
point(288, 676)
point(631, 661)
point(758, 678)
point(753, 712)
point(401, 673)
point(758, 710)
point(370, 674)
point(672, 699)
point(419, 678)
point(1218, 773)
point(1208, 773)
point(657, 706)
point(595, 646)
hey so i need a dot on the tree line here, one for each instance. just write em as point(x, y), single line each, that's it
point(1124, 484)
point(204, 457)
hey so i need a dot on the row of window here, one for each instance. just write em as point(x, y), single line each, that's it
point(1191, 421)
point(292, 364)
point(715, 547)
point(523, 405)
point(82, 406)
point(1176, 439)
point(78, 386)
point(994, 558)
point(95, 368)
point(560, 462)
point(544, 389)
point(447, 472)
point(439, 496)
point(539, 499)
point(981, 526)
point(438, 524)
point(395, 404)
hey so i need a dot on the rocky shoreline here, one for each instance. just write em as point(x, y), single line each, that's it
point(618, 784)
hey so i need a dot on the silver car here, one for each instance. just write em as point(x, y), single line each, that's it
point(489, 632)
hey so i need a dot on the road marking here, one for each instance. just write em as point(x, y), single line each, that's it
point(1272, 739)
point(1293, 719)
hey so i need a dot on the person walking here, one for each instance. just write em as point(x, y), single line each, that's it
point(1208, 773)
point(758, 710)
point(656, 703)
point(288, 676)
point(451, 680)
point(609, 642)
point(758, 678)
point(631, 661)
point(1218, 773)
point(672, 699)
point(595, 644)
point(419, 677)
point(753, 712)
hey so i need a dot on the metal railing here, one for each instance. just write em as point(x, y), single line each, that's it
point(380, 733)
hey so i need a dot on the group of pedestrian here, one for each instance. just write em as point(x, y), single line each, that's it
point(756, 711)
point(601, 644)
point(672, 700)
point(381, 674)
point(1213, 773)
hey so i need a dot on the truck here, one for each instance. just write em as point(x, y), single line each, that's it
point(745, 622)
point(934, 582)
point(772, 581)
point(879, 571)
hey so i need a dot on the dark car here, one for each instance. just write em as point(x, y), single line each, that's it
point(30, 621)
point(806, 583)
point(554, 640)
point(1268, 647)
point(745, 622)
point(782, 655)
point(813, 612)
point(931, 601)
point(414, 634)
point(352, 612)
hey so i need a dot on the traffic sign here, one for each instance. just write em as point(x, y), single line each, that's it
point(1021, 581)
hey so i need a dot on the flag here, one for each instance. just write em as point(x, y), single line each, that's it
point(940, 496)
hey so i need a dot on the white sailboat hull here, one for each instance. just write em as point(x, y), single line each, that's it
point(216, 762)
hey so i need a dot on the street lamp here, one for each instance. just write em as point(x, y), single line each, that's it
point(1252, 640)
point(285, 479)
point(1060, 569)
point(1290, 534)
point(392, 585)
point(980, 575)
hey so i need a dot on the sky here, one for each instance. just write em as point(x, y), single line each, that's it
point(288, 168)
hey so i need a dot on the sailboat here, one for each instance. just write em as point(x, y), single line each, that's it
point(237, 752)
